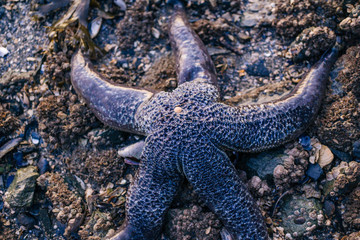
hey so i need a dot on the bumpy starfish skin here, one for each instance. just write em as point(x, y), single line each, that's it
point(187, 129)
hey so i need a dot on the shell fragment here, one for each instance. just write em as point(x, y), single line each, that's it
point(95, 26)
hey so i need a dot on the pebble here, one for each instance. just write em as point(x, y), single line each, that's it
point(95, 26)
point(314, 171)
point(35, 138)
point(3, 52)
point(356, 149)
point(299, 220)
point(10, 145)
point(19, 159)
point(258, 68)
point(26, 220)
point(21, 191)
point(121, 4)
point(43, 166)
point(329, 208)
point(325, 156)
point(305, 142)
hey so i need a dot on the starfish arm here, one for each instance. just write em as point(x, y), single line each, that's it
point(252, 128)
point(193, 62)
point(151, 194)
point(224, 193)
point(114, 105)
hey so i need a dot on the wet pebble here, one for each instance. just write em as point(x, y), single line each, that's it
point(343, 156)
point(314, 171)
point(43, 166)
point(305, 142)
point(19, 159)
point(356, 149)
point(299, 220)
point(26, 220)
point(329, 208)
point(258, 68)
point(3, 52)
point(9, 180)
point(35, 138)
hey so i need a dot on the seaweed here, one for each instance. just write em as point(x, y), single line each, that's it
point(77, 12)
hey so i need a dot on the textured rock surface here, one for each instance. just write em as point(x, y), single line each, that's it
point(21, 190)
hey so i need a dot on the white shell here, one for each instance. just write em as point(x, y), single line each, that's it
point(95, 26)
point(155, 32)
point(3, 52)
point(133, 150)
point(121, 4)
point(325, 156)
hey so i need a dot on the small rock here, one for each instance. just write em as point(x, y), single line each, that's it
point(21, 190)
point(325, 157)
point(343, 156)
point(19, 159)
point(95, 26)
point(294, 214)
point(258, 68)
point(249, 20)
point(121, 4)
point(3, 52)
point(9, 146)
point(35, 138)
point(299, 220)
point(314, 171)
point(133, 150)
point(26, 220)
point(263, 164)
point(43, 166)
point(356, 149)
point(329, 208)
point(305, 142)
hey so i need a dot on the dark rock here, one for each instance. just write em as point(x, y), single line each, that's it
point(329, 208)
point(19, 159)
point(43, 166)
point(45, 220)
point(305, 142)
point(26, 220)
point(343, 156)
point(299, 220)
point(2, 11)
point(314, 171)
point(35, 138)
point(294, 214)
point(21, 191)
point(9, 180)
point(263, 164)
point(258, 69)
point(356, 149)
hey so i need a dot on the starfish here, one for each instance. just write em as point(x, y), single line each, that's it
point(188, 129)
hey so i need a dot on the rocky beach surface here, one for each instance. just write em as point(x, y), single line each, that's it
point(62, 172)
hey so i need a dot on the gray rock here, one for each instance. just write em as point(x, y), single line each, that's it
point(356, 149)
point(249, 20)
point(298, 215)
point(263, 164)
point(21, 190)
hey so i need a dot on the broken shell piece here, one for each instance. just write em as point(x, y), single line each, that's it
point(155, 32)
point(95, 26)
point(325, 156)
point(121, 4)
point(132, 151)
point(3, 52)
